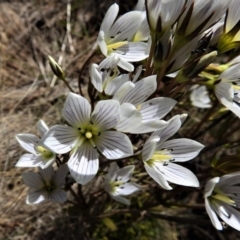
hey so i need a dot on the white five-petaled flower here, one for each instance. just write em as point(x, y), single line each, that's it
point(88, 134)
point(221, 195)
point(39, 155)
point(199, 97)
point(107, 81)
point(227, 88)
point(46, 185)
point(115, 38)
point(159, 156)
point(117, 185)
point(137, 114)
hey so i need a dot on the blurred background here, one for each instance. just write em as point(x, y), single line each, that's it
point(66, 30)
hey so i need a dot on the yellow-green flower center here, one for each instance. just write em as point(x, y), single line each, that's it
point(115, 184)
point(89, 133)
point(44, 152)
point(217, 195)
point(163, 156)
point(49, 186)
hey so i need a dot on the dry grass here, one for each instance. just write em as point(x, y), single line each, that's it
point(29, 31)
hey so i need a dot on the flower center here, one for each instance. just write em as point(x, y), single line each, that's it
point(223, 198)
point(49, 187)
point(163, 156)
point(44, 152)
point(114, 185)
point(87, 133)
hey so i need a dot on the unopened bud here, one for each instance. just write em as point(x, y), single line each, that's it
point(193, 67)
point(57, 70)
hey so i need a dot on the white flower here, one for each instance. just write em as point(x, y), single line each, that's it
point(199, 97)
point(46, 185)
point(227, 88)
point(117, 185)
point(107, 81)
point(222, 194)
point(159, 156)
point(39, 155)
point(88, 134)
point(138, 115)
point(115, 38)
point(199, 15)
point(162, 14)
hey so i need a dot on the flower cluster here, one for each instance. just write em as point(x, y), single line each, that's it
point(153, 55)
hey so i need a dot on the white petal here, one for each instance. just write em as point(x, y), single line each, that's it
point(143, 33)
point(133, 51)
point(121, 199)
point(125, 27)
point(42, 127)
point(114, 84)
point(182, 149)
point(33, 180)
point(179, 175)
point(125, 173)
point(59, 196)
point(47, 173)
point(76, 110)
point(214, 219)
point(83, 163)
point(109, 18)
point(224, 92)
point(106, 114)
point(28, 142)
point(210, 186)
point(229, 180)
point(35, 196)
point(96, 77)
point(109, 62)
point(173, 126)
point(129, 117)
point(60, 175)
point(46, 163)
point(112, 172)
point(233, 218)
point(156, 108)
point(149, 126)
point(128, 188)
point(137, 73)
point(102, 43)
point(125, 65)
point(31, 160)
point(114, 145)
point(149, 147)
point(231, 74)
point(121, 92)
point(142, 90)
point(61, 139)
point(157, 176)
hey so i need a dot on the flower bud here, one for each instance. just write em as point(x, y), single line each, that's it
point(57, 70)
point(193, 67)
